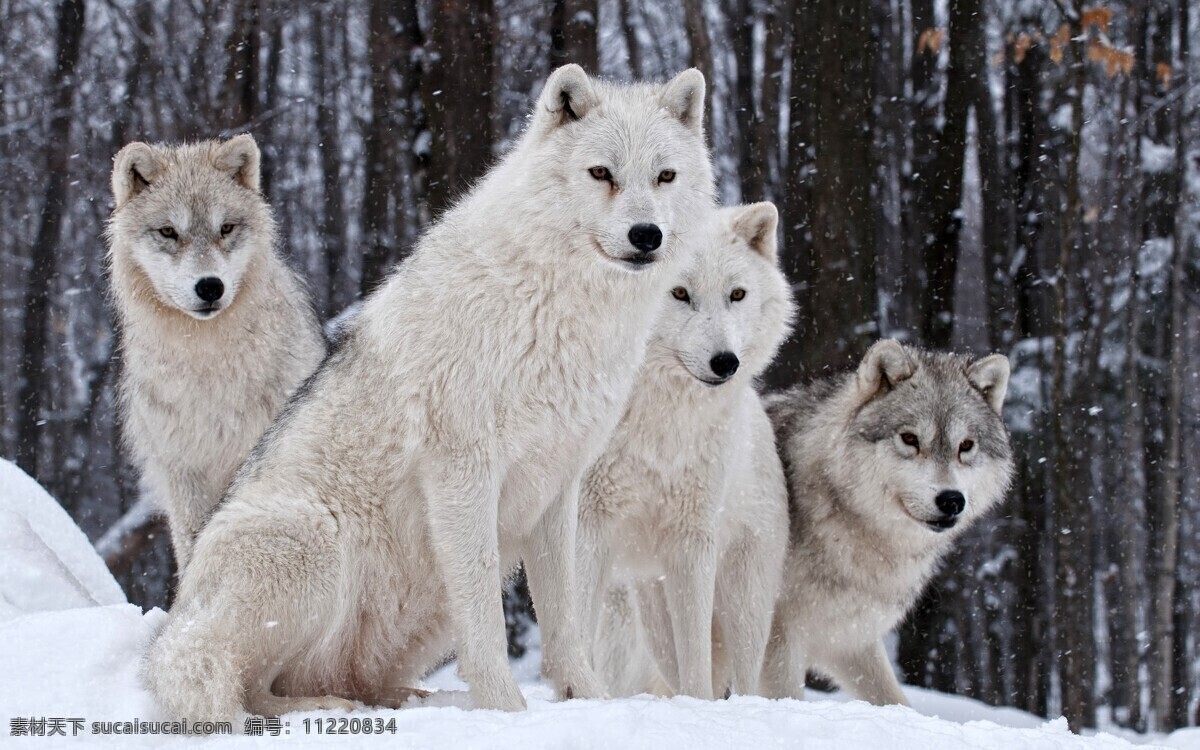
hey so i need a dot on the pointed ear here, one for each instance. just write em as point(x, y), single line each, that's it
point(134, 168)
point(239, 156)
point(989, 376)
point(756, 225)
point(567, 96)
point(885, 365)
point(683, 97)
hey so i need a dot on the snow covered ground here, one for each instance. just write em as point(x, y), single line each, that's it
point(70, 649)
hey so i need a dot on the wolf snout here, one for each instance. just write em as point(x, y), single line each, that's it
point(210, 289)
point(645, 237)
point(950, 502)
point(724, 365)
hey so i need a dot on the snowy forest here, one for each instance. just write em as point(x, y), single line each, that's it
point(1016, 176)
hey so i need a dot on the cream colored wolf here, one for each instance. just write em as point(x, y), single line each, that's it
point(216, 332)
point(688, 505)
point(445, 438)
point(886, 467)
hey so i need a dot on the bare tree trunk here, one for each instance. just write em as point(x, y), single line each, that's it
point(751, 170)
point(701, 54)
point(458, 85)
point(829, 214)
point(573, 34)
point(241, 72)
point(1167, 605)
point(632, 47)
point(395, 40)
point(1075, 574)
point(333, 224)
point(942, 197)
point(70, 23)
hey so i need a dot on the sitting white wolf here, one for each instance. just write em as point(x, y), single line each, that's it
point(688, 505)
point(446, 437)
point(216, 330)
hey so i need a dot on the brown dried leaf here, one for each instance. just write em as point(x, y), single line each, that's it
point(1059, 42)
point(1021, 46)
point(1098, 16)
point(1162, 72)
point(931, 39)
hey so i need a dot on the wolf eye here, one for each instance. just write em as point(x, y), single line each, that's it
point(168, 232)
point(910, 440)
point(667, 175)
point(227, 229)
point(737, 295)
point(966, 446)
point(600, 173)
point(680, 294)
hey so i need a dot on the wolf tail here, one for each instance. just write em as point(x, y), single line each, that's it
point(192, 673)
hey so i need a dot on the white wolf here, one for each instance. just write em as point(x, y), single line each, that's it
point(445, 437)
point(688, 504)
point(216, 331)
point(885, 468)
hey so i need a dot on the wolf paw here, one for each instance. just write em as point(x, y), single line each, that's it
point(502, 695)
point(584, 684)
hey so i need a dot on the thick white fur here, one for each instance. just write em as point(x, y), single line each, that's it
point(199, 388)
point(861, 548)
point(688, 504)
point(445, 438)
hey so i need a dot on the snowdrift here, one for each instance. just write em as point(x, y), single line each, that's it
point(70, 648)
point(47, 562)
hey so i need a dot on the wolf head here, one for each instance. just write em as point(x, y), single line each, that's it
point(625, 167)
point(928, 438)
point(190, 219)
point(731, 309)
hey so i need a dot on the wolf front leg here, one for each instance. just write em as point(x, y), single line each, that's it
point(463, 504)
point(689, 587)
point(592, 561)
point(785, 664)
point(550, 552)
point(188, 502)
point(867, 673)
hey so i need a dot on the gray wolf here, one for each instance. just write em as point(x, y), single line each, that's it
point(886, 467)
point(215, 330)
point(445, 438)
point(688, 504)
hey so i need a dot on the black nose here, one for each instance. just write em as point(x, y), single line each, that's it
point(724, 365)
point(645, 237)
point(209, 289)
point(951, 502)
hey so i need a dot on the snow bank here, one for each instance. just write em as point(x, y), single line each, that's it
point(83, 664)
point(71, 649)
point(47, 562)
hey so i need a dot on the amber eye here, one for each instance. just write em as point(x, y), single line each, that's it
point(227, 229)
point(966, 446)
point(680, 294)
point(169, 233)
point(737, 295)
point(600, 173)
point(667, 175)
point(910, 440)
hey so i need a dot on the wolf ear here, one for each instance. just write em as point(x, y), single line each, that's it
point(239, 156)
point(683, 97)
point(567, 96)
point(134, 168)
point(989, 376)
point(756, 225)
point(885, 365)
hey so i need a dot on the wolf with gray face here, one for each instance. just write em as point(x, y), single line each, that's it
point(216, 331)
point(885, 467)
point(688, 505)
